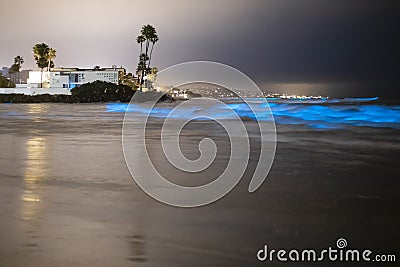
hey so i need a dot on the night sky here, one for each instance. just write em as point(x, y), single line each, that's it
point(335, 48)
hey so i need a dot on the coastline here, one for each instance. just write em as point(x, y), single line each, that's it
point(68, 99)
point(95, 92)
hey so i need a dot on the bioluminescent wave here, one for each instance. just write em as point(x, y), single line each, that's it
point(318, 114)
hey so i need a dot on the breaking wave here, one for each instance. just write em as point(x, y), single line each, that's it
point(314, 113)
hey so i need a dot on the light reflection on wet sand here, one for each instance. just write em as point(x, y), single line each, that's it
point(36, 168)
point(36, 171)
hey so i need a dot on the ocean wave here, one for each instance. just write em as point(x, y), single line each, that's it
point(318, 114)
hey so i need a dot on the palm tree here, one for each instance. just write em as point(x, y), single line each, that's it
point(18, 61)
point(149, 37)
point(51, 54)
point(40, 53)
point(141, 67)
point(16, 67)
point(140, 40)
point(153, 40)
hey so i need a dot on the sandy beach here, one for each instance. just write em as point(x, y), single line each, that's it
point(67, 197)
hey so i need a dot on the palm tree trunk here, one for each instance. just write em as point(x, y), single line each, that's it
point(151, 52)
point(144, 61)
point(140, 74)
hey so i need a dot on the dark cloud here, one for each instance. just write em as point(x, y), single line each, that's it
point(333, 47)
point(351, 47)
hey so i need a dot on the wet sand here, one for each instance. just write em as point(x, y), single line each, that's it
point(67, 198)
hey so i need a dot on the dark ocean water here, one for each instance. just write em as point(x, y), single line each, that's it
point(68, 199)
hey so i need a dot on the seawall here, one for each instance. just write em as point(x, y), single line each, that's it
point(35, 91)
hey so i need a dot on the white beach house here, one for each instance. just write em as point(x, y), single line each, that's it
point(70, 78)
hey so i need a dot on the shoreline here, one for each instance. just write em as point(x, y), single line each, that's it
point(47, 98)
point(74, 99)
point(95, 92)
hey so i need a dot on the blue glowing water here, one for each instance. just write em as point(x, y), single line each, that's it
point(317, 113)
